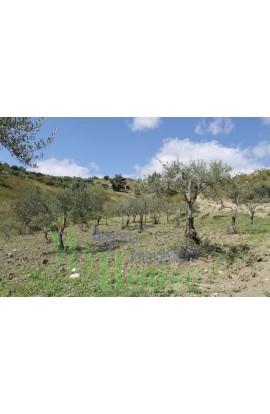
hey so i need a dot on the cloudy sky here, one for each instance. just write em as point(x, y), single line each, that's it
point(129, 146)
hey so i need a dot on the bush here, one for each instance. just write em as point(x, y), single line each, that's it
point(187, 246)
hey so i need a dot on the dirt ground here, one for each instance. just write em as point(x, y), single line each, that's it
point(30, 266)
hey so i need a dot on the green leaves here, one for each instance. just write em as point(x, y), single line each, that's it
point(18, 136)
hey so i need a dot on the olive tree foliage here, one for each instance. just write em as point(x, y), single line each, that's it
point(175, 208)
point(80, 205)
point(35, 210)
point(157, 206)
point(141, 207)
point(19, 137)
point(235, 193)
point(190, 180)
point(253, 197)
point(127, 208)
point(77, 204)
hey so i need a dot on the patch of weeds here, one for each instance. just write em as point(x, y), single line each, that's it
point(234, 252)
point(189, 249)
point(266, 293)
point(102, 247)
point(218, 217)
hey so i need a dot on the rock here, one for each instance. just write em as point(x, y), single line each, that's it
point(15, 250)
point(45, 261)
point(252, 274)
point(205, 271)
point(9, 261)
point(75, 276)
point(220, 272)
point(74, 270)
point(10, 255)
point(214, 295)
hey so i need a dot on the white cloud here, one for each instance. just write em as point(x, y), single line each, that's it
point(215, 127)
point(65, 167)
point(265, 121)
point(262, 149)
point(139, 124)
point(93, 165)
point(241, 160)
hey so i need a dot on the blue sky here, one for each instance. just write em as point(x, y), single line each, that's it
point(108, 146)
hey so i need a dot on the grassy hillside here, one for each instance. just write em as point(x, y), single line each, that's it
point(15, 183)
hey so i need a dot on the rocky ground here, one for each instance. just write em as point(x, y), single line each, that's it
point(30, 266)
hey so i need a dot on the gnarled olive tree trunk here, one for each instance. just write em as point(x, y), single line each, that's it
point(190, 231)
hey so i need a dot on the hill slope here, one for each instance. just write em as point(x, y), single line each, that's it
point(15, 183)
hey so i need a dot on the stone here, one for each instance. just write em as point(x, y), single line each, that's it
point(74, 270)
point(75, 276)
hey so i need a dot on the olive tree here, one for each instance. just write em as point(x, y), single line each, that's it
point(157, 206)
point(253, 197)
point(80, 204)
point(141, 207)
point(233, 192)
point(127, 208)
point(35, 210)
point(190, 180)
point(19, 137)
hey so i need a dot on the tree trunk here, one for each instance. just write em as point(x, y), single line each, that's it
point(155, 219)
point(190, 231)
point(167, 217)
point(252, 217)
point(127, 222)
point(233, 229)
point(61, 232)
point(141, 222)
point(46, 235)
point(134, 219)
